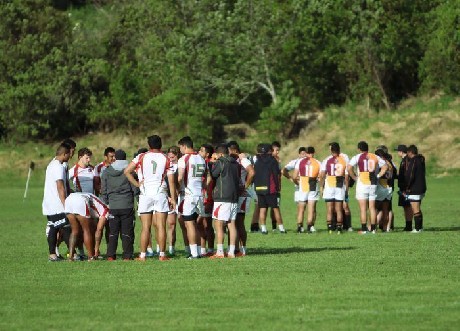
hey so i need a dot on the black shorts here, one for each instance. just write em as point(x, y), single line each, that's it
point(268, 200)
point(402, 201)
point(57, 221)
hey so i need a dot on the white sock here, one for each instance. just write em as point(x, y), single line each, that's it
point(171, 250)
point(281, 227)
point(162, 254)
point(149, 249)
point(243, 249)
point(158, 248)
point(263, 228)
point(142, 255)
point(187, 249)
point(203, 251)
point(220, 249)
point(231, 249)
point(57, 251)
point(194, 250)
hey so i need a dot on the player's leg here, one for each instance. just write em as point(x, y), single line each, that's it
point(338, 206)
point(300, 215)
point(418, 215)
point(329, 213)
point(363, 206)
point(146, 220)
point(98, 237)
point(210, 235)
point(201, 233)
point(255, 218)
point(75, 231)
point(88, 234)
point(311, 214)
point(172, 220)
point(114, 229)
point(127, 233)
point(219, 226)
point(161, 218)
point(231, 226)
point(262, 219)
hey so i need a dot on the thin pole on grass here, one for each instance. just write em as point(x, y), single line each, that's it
point(31, 168)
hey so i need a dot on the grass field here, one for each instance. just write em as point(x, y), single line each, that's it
point(388, 281)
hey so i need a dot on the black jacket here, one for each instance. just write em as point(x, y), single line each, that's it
point(267, 175)
point(116, 189)
point(402, 173)
point(414, 175)
point(226, 173)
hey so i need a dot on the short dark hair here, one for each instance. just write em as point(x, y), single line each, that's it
point(208, 148)
point(154, 142)
point(84, 151)
point(363, 146)
point(222, 148)
point(380, 152)
point(335, 147)
point(413, 149)
point(276, 144)
point(109, 150)
point(63, 148)
point(233, 145)
point(383, 148)
point(70, 142)
point(174, 149)
point(302, 149)
point(264, 148)
point(310, 150)
point(141, 150)
point(186, 141)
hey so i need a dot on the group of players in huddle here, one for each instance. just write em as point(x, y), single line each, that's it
point(208, 191)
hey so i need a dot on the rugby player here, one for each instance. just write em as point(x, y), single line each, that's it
point(385, 191)
point(415, 185)
point(109, 158)
point(82, 173)
point(173, 156)
point(402, 201)
point(370, 168)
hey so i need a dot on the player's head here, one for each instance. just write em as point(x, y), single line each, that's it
point(206, 150)
point(72, 144)
point(383, 148)
point(302, 151)
point(363, 146)
point(264, 148)
point(412, 150)
point(84, 156)
point(310, 151)
point(402, 150)
point(233, 147)
point(335, 148)
point(222, 149)
point(63, 152)
point(154, 142)
point(120, 154)
point(276, 146)
point(109, 155)
point(380, 152)
point(173, 153)
point(185, 143)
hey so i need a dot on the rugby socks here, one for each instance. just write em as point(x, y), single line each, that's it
point(203, 251)
point(220, 248)
point(171, 250)
point(372, 227)
point(162, 254)
point(418, 220)
point(408, 226)
point(194, 250)
point(231, 249)
point(281, 227)
point(158, 249)
point(263, 228)
point(309, 227)
point(364, 227)
point(142, 255)
point(274, 224)
point(150, 250)
point(347, 221)
point(243, 250)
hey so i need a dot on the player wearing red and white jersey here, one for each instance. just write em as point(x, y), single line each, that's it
point(306, 176)
point(109, 158)
point(80, 209)
point(334, 185)
point(153, 168)
point(191, 169)
point(173, 156)
point(246, 173)
point(204, 222)
point(370, 168)
point(385, 191)
point(82, 174)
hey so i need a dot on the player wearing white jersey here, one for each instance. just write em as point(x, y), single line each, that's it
point(82, 174)
point(80, 209)
point(191, 168)
point(54, 196)
point(154, 167)
point(109, 158)
point(288, 168)
point(173, 156)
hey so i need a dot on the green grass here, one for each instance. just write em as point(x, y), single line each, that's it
point(288, 282)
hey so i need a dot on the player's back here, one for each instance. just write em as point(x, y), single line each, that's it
point(152, 168)
point(194, 168)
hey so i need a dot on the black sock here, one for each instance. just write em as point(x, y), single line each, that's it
point(408, 226)
point(372, 227)
point(309, 227)
point(418, 220)
point(329, 227)
point(363, 227)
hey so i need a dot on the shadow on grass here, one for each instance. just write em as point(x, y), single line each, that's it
point(434, 229)
point(290, 250)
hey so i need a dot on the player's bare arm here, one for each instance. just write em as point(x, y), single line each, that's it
point(129, 174)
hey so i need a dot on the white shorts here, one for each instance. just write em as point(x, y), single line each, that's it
point(334, 193)
point(243, 204)
point(306, 196)
point(225, 211)
point(415, 198)
point(78, 205)
point(151, 204)
point(191, 204)
point(366, 192)
point(384, 193)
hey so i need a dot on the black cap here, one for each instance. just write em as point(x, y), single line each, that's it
point(401, 148)
point(120, 154)
point(264, 148)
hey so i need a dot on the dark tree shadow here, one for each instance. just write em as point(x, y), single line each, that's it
point(291, 250)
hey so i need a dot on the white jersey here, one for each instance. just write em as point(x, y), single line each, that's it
point(368, 166)
point(52, 204)
point(244, 163)
point(291, 166)
point(194, 168)
point(152, 169)
point(99, 169)
point(82, 178)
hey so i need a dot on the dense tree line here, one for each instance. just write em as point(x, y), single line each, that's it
point(70, 66)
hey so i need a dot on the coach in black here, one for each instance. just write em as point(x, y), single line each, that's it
point(267, 183)
point(118, 192)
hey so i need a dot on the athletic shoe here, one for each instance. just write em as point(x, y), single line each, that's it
point(142, 259)
point(312, 229)
point(350, 229)
point(264, 232)
point(208, 254)
point(362, 232)
point(231, 256)
point(240, 254)
point(54, 259)
point(407, 229)
point(149, 254)
point(283, 231)
point(110, 258)
point(416, 231)
point(373, 232)
point(164, 258)
point(300, 229)
point(193, 257)
point(217, 256)
point(330, 231)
